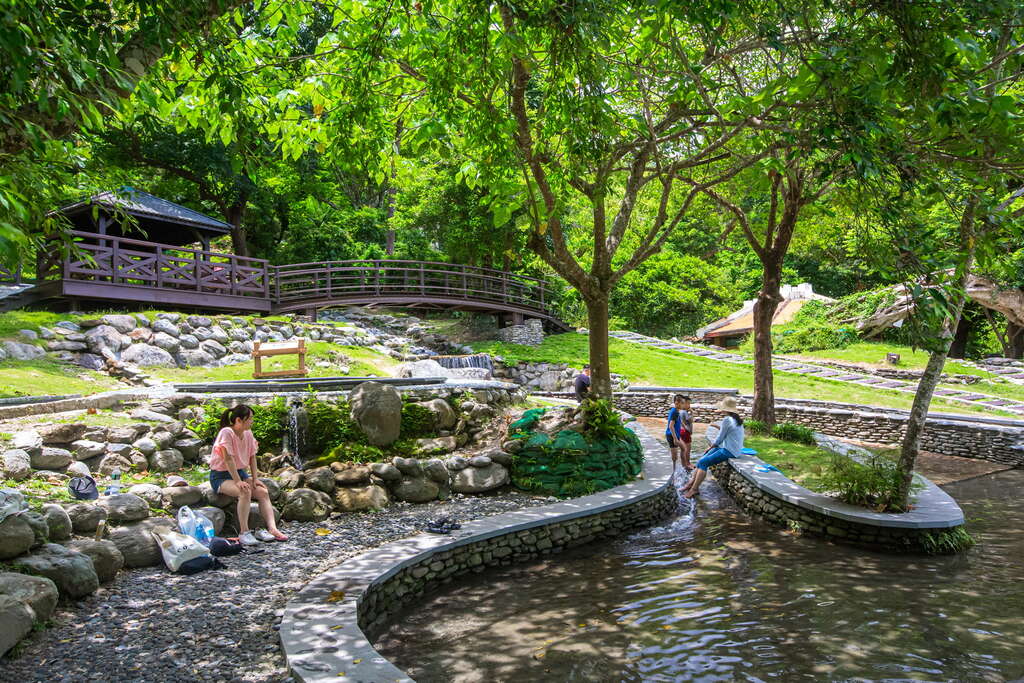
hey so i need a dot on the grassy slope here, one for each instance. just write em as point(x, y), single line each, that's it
point(873, 353)
point(649, 366)
point(47, 376)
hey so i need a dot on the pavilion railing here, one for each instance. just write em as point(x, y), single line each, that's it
point(414, 279)
point(124, 261)
point(11, 275)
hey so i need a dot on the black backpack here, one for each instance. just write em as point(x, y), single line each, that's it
point(222, 547)
point(198, 564)
point(83, 488)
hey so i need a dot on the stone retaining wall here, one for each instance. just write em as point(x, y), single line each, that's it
point(995, 440)
point(327, 629)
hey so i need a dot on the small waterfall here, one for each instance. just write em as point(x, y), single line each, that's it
point(475, 360)
point(298, 428)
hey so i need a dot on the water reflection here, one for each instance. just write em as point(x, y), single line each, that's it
point(713, 595)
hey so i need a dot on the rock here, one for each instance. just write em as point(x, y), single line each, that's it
point(290, 478)
point(151, 493)
point(176, 496)
point(167, 327)
point(216, 517)
point(377, 409)
point(71, 571)
point(214, 348)
point(512, 446)
point(147, 356)
point(351, 474)
point(202, 334)
point(107, 560)
point(435, 469)
point(105, 341)
point(146, 446)
point(442, 412)
point(124, 507)
point(415, 490)
point(122, 323)
point(197, 358)
point(37, 592)
point(480, 479)
point(90, 361)
point(78, 469)
point(408, 466)
point(141, 334)
point(17, 464)
point(121, 434)
point(167, 460)
point(57, 522)
point(30, 335)
point(29, 441)
point(136, 543)
point(16, 619)
point(422, 368)
point(188, 341)
point(166, 342)
point(306, 505)
point(199, 321)
point(40, 529)
point(50, 458)
point(21, 350)
point(215, 499)
point(385, 471)
point(110, 462)
point(456, 463)
point(320, 479)
point(439, 444)
point(189, 448)
point(61, 433)
point(480, 461)
point(95, 434)
point(354, 499)
point(499, 457)
point(85, 449)
point(85, 517)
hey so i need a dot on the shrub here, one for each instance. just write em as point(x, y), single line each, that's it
point(206, 428)
point(814, 337)
point(270, 422)
point(756, 427)
point(417, 422)
point(353, 452)
point(873, 484)
point(947, 541)
point(787, 431)
point(602, 421)
point(330, 424)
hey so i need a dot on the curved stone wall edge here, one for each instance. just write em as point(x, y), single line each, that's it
point(323, 630)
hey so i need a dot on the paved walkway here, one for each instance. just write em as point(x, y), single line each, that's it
point(783, 364)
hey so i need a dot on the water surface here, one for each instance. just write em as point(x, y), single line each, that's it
point(715, 595)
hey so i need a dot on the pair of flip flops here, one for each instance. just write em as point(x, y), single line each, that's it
point(442, 526)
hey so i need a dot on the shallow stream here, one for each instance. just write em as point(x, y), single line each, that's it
point(715, 595)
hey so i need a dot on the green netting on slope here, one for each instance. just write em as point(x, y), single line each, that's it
point(572, 465)
point(529, 418)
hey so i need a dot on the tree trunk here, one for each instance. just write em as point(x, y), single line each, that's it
point(1015, 340)
point(768, 300)
point(959, 346)
point(600, 370)
point(239, 243)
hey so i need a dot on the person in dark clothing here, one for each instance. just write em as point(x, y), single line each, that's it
point(582, 384)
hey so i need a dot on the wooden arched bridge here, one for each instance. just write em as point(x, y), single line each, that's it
point(115, 268)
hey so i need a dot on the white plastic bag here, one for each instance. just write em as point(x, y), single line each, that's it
point(12, 502)
point(186, 521)
point(177, 549)
point(195, 524)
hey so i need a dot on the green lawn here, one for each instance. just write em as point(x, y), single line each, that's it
point(803, 464)
point(644, 365)
point(48, 376)
point(873, 353)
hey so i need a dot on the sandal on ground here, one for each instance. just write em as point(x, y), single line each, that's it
point(279, 536)
point(435, 528)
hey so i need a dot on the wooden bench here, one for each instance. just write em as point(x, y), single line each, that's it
point(292, 347)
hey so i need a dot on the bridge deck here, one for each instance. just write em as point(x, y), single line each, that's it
point(121, 269)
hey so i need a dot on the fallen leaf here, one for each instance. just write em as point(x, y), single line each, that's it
point(356, 661)
point(322, 532)
point(336, 596)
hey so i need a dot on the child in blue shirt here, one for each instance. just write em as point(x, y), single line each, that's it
point(679, 431)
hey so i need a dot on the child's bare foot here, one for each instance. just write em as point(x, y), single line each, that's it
point(691, 493)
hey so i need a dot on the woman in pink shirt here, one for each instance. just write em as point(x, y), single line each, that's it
point(233, 458)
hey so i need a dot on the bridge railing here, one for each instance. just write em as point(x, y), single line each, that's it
point(426, 279)
point(11, 275)
point(124, 261)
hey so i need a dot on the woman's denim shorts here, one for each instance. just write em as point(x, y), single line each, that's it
point(218, 477)
point(713, 457)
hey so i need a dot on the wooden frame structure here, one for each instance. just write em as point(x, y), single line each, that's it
point(292, 347)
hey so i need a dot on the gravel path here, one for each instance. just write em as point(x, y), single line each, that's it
point(151, 625)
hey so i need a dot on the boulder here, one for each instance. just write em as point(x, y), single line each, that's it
point(176, 496)
point(29, 441)
point(37, 592)
point(110, 462)
point(17, 464)
point(165, 342)
point(107, 560)
point(105, 341)
point(439, 444)
point(151, 493)
point(202, 334)
point(21, 350)
point(306, 505)
point(422, 368)
point(147, 356)
point(480, 461)
point(320, 479)
point(71, 571)
point(61, 433)
point(85, 517)
point(410, 467)
point(141, 334)
point(188, 341)
point(214, 348)
point(290, 478)
point(442, 412)
point(167, 460)
point(124, 507)
point(218, 334)
point(30, 335)
point(214, 499)
point(415, 490)
point(197, 358)
point(51, 458)
point(498, 456)
point(146, 446)
point(377, 409)
point(136, 543)
point(16, 619)
point(350, 474)
point(86, 448)
point(256, 520)
point(58, 523)
point(40, 528)
point(435, 469)
point(165, 327)
point(480, 479)
point(216, 516)
point(95, 433)
point(199, 321)
point(189, 448)
point(354, 499)
point(162, 438)
point(385, 471)
point(91, 361)
point(122, 434)
point(456, 463)
point(122, 323)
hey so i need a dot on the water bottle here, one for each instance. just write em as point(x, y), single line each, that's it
point(115, 483)
point(203, 529)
